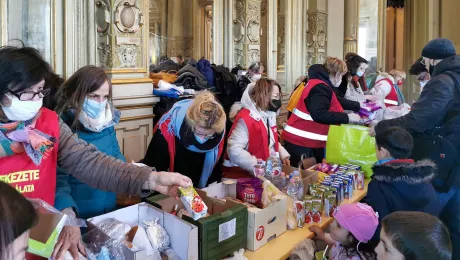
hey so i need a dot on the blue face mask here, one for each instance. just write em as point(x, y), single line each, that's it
point(201, 140)
point(360, 73)
point(93, 108)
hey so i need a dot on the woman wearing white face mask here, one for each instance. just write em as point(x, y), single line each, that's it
point(318, 107)
point(84, 103)
point(353, 83)
point(253, 74)
point(34, 141)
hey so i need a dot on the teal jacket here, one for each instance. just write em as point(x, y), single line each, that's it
point(86, 201)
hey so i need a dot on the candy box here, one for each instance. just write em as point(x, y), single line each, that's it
point(193, 202)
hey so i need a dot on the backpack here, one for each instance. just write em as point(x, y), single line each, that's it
point(226, 87)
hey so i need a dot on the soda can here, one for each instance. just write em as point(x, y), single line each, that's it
point(360, 180)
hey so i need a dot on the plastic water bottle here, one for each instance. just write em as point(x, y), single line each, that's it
point(298, 180)
point(273, 168)
point(293, 189)
point(259, 168)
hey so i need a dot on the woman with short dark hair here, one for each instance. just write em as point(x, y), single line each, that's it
point(253, 74)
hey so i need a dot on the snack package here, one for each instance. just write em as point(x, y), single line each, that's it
point(157, 235)
point(193, 202)
point(316, 212)
point(250, 190)
point(300, 213)
point(308, 202)
point(324, 167)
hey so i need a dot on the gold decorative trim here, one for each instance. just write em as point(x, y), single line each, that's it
point(131, 118)
point(125, 71)
point(131, 81)
point(131, 107)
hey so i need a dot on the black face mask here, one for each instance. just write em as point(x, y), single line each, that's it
point(274, 105)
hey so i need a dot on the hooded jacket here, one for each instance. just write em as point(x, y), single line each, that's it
point(243, 83)
point(318, 101)
point(239, 138)
point(402, 185)
point(436, 112)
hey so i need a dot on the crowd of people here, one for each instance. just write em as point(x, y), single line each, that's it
point(61, 135)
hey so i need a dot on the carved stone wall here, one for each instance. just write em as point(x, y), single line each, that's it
point(246, 31)
point(316, 37)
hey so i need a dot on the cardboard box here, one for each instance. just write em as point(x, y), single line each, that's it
point(308, 176)
point(44, 235)
point(183, 235)
point(221, 233)
point(263, 224)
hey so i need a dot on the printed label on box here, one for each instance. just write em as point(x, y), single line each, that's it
point(260, 233)
point(227, 230)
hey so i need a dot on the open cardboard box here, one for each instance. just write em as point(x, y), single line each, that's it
point(44, 235)
point(308, 176)
point(183, 235)
point(222, 232)
point(263, 224)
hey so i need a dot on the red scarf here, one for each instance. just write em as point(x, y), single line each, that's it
point(356, 83)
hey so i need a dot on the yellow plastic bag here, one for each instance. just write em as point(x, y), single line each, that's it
point(351, 144)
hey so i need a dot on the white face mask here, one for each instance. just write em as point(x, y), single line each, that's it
point(256, 76)
point(22, 110)
point(422, 85)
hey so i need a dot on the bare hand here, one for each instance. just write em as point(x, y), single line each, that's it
point(69, 240)
point(286, 161)
point(318, 231)
point(372, 130)
point(353, 118)
point(372, 98)
point(168, 182)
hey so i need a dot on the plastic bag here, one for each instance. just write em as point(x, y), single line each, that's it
point(106, 239)
point(47, 212)
point(351, 144)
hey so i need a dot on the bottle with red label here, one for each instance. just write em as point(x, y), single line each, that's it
point(273, 168)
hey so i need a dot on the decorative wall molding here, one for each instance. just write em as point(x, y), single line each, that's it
point(127, 55)
point(316, 37)
point(128, 16)
point(281, 40)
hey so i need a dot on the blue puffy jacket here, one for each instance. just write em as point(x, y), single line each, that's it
point(70, 192)
point(205, 68)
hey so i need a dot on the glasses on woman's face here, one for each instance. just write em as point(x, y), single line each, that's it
point(30, 95)
point(276, 97)
point(208, 136)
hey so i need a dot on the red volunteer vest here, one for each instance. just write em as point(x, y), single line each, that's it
point(171, 140)
point(392, 98)
point(257, 145)
point(301, 130)
point(37, 182)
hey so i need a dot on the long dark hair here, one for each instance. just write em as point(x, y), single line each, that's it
point(366, 250)
point(353, 61)
point(74, 90)
point(17, 215)
point(21, 68)
point(418, 235)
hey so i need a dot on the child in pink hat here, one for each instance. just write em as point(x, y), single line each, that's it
point(349, 236)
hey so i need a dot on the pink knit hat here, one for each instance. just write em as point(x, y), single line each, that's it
point(358, 218)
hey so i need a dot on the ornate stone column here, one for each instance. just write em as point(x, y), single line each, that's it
point(272, 55)
point(217, 32)
point(351, 26)
point(295, 42)
point(175, 28)
point(122, 36)
point(316, 32)
point(246, 31)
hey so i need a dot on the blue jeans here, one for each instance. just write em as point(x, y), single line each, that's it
point(450, 215)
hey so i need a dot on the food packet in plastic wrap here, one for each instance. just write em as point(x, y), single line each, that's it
point(250, 190)
point(44, 235)
point(106, 239)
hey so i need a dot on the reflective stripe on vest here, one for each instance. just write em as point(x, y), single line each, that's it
point(302, 115)
point(390, 102)
point(305, 134)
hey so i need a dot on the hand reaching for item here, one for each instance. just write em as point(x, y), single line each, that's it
point(318, 232)
point(168, 182)
point(354, 118)
point(286, 161)
point(69, 240)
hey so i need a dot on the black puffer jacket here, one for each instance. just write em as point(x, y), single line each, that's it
point(437, 112)
point(242, 83)
point(318, 101)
